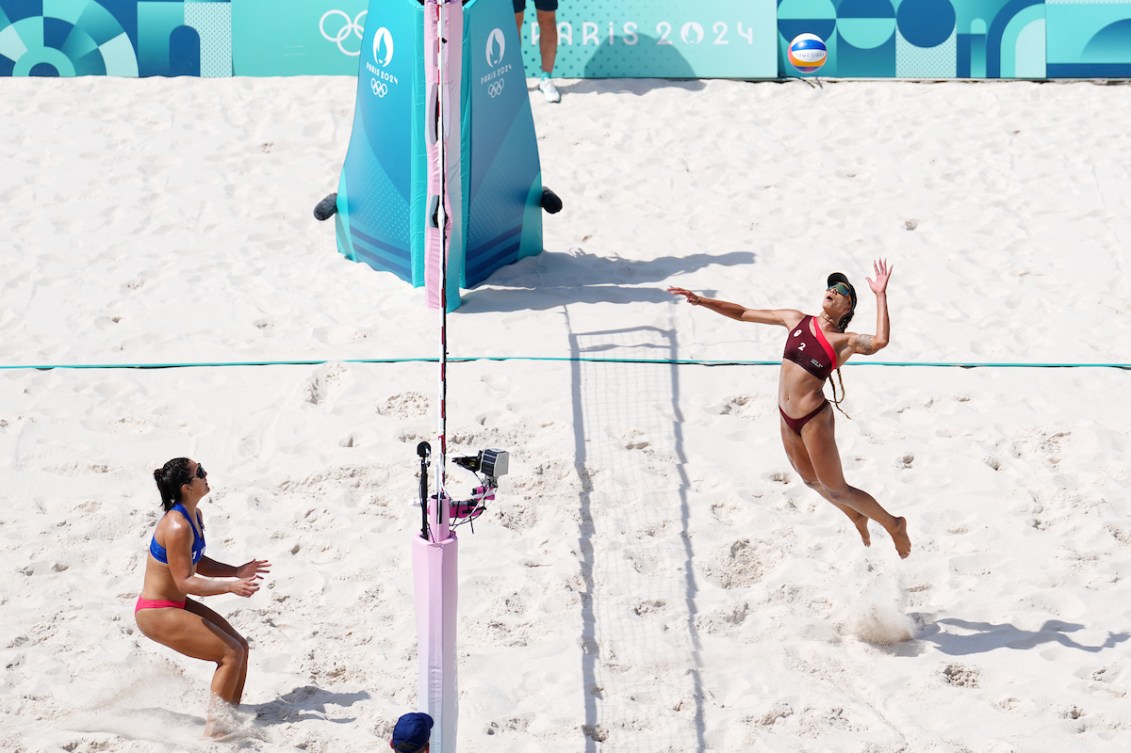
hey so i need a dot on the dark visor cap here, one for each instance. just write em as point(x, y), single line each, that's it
point(836, 277)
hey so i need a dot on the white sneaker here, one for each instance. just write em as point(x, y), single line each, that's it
point(549, 90)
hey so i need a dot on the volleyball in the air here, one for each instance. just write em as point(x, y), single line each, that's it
point(807, 53)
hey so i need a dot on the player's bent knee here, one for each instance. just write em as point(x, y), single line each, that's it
point(234, 653)
point(838, 493)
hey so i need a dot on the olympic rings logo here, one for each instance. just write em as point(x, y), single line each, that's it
point(379, 88)
point(496, 88)
point(349, 26)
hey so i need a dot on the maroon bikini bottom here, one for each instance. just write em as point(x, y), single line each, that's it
point(797, 423)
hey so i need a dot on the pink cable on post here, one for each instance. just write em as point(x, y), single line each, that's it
point(435, 560)
point(443, 79)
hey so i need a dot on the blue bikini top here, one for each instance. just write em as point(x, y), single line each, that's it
point(159, 552)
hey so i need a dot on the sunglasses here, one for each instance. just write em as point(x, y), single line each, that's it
point(841, 288)
point(200, 472)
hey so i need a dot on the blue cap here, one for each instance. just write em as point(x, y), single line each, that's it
point(411, 732)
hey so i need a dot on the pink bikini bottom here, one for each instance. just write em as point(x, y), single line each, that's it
point(157, 604)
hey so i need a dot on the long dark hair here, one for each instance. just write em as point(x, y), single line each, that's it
point(842, 326)
point(170, 478)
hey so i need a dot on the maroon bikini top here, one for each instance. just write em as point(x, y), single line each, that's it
point(811, 352)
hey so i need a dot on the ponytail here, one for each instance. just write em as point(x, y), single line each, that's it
point(843, 325)
point(837, 401)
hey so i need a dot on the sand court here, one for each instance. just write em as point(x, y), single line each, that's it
point(653, 576)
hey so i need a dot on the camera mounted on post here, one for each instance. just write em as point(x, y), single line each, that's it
point(487, 465)
point(490, 463)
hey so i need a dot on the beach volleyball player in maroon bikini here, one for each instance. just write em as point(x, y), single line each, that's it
point(814, 348)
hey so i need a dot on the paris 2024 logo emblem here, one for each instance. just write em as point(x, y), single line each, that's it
point(337, 27)
point(380, 80)
point(383, 47)
point(496, 47)
point(496, 50)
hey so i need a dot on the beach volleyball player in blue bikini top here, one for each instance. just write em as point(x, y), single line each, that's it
point(814, 348)
point(176, 568)
point(159, 552)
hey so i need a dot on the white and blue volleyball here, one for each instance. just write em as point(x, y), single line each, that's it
point(807, 53)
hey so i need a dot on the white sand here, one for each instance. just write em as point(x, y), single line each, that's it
point(653, 576)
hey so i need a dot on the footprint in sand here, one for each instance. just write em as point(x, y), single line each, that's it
point(518, 724)
point(736, 405)
point(649, 606)
point(960, 676)
point(404, 405)
point(723, 622)
point(326, 383)
point(634, 440)
point(735, 565)
point(1119, 534)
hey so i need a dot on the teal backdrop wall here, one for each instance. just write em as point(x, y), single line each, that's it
point(964, 39)
point(1089, 39)
point(921, 38)
point(309, 37)
point(658, 38)
point(598, 38)
point(115, 38)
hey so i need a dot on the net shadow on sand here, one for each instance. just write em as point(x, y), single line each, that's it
point(629, 419)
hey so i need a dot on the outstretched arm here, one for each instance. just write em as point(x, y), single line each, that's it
point(210, 568)
point(781, 317)
point(868, 344)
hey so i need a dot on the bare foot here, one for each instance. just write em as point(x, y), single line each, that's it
point(899, 536)
point(861, 523)
point(223, 721)
point(859, 519)
point(213, 731)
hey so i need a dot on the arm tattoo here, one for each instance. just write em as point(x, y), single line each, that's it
point(865, 345)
